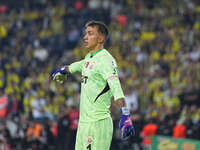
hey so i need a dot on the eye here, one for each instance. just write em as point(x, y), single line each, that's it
point(90, 32)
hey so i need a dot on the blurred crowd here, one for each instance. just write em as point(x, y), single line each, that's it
point(155, 42)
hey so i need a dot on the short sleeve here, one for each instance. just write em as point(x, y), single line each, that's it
point(76, 66)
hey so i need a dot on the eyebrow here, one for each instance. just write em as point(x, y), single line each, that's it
point(89, 31)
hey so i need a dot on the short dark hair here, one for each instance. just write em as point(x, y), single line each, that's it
point(102, 28)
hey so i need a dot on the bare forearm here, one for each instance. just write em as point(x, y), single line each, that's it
point(121, 102)
point(123, 108)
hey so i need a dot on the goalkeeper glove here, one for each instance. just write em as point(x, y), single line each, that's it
point(60, 75)
point(125, 125)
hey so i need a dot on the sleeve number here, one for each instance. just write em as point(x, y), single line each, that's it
point(89, 147)
point(114, 71)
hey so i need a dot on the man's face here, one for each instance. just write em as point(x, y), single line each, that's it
point(92, 37)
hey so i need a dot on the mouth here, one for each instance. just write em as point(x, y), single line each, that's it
point(86, 43)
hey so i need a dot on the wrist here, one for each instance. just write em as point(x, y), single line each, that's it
point(64, 69)
point(125, 111)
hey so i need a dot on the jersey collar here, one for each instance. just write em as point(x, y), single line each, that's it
point(92, 54)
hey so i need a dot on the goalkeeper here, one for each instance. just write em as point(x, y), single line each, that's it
point(99, 83)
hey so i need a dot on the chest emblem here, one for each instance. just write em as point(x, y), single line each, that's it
point(90, 139)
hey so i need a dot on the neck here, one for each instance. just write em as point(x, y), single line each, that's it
point(98, 47)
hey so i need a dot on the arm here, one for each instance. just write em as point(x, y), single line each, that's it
point(121, 102)
point(61, 74)
point(125, 124)
point(109, 73)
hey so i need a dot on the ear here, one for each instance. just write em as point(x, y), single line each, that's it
point(101, 39)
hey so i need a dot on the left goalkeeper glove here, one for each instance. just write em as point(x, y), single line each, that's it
point(60, 75)
point(125, 125)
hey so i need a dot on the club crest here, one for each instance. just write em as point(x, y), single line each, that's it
point(90, 139)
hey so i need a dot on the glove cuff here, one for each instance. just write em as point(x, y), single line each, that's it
point(125, 111)
point(63, 69)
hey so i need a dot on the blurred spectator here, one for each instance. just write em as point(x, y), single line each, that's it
point(149, 130)
point(38, 107)
point(73, 117)
point(41, 53)
point(5, 138)
point(63, 137)
point(135, 142)
point(179, 131)
point(3, 104)
point(131, 98)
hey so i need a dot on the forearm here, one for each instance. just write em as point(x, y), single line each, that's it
point(125, 124)
point(121, 102)
point(123, 108)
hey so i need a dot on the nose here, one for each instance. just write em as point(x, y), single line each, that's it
point(85, 37)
